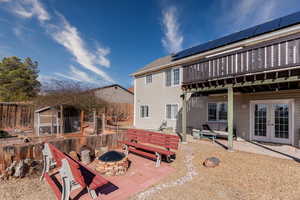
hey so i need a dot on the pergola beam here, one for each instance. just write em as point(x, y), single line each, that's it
point(249, 83)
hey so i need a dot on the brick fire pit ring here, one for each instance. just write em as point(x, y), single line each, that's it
point(112, 163)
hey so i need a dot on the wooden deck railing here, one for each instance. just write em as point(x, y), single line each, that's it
point(272, 55)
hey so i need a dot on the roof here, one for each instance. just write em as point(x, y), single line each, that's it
point(251, 32)
point(158, 62)
point(43, 109)
point(254, 31)
point(113, 85)
point(131, 89)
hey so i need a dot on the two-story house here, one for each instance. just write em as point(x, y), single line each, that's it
point(248, 81)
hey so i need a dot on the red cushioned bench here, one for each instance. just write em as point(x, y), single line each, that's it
point(73, 174)
point(151, 144)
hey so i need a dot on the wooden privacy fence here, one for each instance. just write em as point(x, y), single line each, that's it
point(16, 151)
point(16, 115)
point(124, 111)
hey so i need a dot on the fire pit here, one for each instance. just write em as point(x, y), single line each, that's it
point(112, 163)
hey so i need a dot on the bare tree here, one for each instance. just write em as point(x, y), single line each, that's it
point(61, 92)
point(117, 113)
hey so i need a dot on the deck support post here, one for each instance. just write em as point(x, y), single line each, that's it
point(230, 118)
point(184, 117)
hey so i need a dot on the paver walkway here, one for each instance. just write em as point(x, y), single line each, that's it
point(141, 175)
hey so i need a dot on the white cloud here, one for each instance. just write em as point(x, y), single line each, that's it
point(172, 40)
point(78, 75)
point(29, 9)
point(101, 56)
point(68, 36)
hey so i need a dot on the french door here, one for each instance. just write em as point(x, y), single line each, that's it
point(271, 121)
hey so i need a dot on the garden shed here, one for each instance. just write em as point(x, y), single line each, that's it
point(51, 120)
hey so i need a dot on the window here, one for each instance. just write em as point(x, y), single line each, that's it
point(144, 111)
point(171, 111)
point(172, 77)
point(148, 78)
point(217, 111)
point(168, 77)
point(176, 77)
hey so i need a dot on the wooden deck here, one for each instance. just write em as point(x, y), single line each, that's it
point(278, 54)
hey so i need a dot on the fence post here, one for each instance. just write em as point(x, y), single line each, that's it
point(95, 122)
point(103, 123)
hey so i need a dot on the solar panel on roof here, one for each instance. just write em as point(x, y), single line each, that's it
point(242, 35)
point(267, 27)
point(290, 20)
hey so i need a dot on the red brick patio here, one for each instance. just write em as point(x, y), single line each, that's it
point(141, 175)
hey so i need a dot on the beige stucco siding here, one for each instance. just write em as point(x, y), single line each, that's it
point(156, 95)
point(197, 110)
point(243, 123)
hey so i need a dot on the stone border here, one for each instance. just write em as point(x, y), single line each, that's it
point(191, 172)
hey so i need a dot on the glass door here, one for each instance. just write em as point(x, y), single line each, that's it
point(261, 113)
point(281, 123)
point(272, 120)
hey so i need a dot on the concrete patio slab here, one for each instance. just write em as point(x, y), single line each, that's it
point(275, 150)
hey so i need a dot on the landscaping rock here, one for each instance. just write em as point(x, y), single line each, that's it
point(211, 162)
point(74, 155)
point(85, 156)
point(21, 169)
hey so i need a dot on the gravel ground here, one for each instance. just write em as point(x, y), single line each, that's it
point(240, 176)
point(25, 189)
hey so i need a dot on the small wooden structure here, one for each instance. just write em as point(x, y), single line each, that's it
point(16, 115)
point(56, 119)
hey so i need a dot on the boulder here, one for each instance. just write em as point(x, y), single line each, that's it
point(211, 162)
point(21, 169)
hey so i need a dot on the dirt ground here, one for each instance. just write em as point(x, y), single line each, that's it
point(240, 176)
point(25, 189)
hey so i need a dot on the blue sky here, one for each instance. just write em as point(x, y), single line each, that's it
point(101, 42)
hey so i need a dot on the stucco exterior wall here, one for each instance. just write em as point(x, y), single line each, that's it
point(156, 95)
point(197, 111)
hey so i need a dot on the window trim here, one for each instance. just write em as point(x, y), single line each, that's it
point(166, 112)
point(146, 79)
point(217, 115)
point(172, 76)
point(172, 80)
point(148, 111)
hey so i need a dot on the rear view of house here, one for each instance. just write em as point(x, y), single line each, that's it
point(246, 82)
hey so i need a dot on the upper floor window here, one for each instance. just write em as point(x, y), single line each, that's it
point(217, 111)
point(144, 111)
point(171, 111)
point(172, 77)
point(148, 78)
